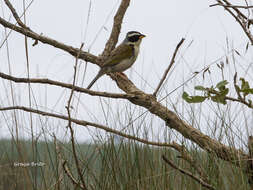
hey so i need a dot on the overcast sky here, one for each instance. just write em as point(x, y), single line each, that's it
point(72, 22)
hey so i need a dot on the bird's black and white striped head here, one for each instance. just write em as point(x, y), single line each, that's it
point(134, 37)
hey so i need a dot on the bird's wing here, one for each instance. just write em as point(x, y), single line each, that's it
point(123, 51)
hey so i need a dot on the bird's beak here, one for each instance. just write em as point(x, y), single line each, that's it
point(142, 36)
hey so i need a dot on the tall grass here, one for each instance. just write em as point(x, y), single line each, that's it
point(122, 165)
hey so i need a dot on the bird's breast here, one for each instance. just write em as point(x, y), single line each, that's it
point(126, 63)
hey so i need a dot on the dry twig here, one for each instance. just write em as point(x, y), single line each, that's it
point(200, 181)
point(14, 13)
point(71, 177)
point(231, 6)
point(169, 67)
point(68, 107)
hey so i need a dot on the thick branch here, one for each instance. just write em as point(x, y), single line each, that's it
point(174, 122)
point(118, 18)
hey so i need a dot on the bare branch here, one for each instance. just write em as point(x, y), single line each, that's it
point(85, 123)
point(169, 67)
point(241, 18)
point(118, 18)
point(66, 85)
point(73, 51)
point(68, 107)
point(187, 157)
point(200, 181)
point(14, 13)
point(231, 6)
point(242, 24)
point(234, 8)
point(71, 177)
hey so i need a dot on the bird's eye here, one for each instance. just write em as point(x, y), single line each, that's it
point(134, 38)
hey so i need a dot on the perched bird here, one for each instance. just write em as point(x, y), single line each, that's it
point(122, 57)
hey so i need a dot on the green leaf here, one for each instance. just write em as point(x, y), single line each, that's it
point(245, 84)
point(201, 88)
point(193, 99)
point(247, 91)
point(219, 99)
point(221, 85)
point(250, 102)
point(224, 92)
point(185, 95)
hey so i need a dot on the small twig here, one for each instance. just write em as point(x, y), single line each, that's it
point(67, 171)
point(68, 107)
point(239, 99)
point(240, 18)
point(169, 67)
point(231, 6)
point(14, 13)
point(200, 181)
point(187, 157)
point(57, 185)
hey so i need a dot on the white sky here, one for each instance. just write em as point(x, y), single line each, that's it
point(163, 22)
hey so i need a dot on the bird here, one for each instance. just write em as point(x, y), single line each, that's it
point(122, 57)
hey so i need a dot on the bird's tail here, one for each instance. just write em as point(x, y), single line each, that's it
point(100, 73)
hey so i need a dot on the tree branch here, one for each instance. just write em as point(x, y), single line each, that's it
point(200, 181)
point(68, 107)
point(118, 18)
point(169, 67)
point(14, 13)
point(86, 123)
point(232, 6)
point(65, 85)
point(240, 18)
point(73, 51)
point(71, 177)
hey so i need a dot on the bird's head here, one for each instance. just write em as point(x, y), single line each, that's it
point(134, 37)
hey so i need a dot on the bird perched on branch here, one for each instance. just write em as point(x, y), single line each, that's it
point(122, 57)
